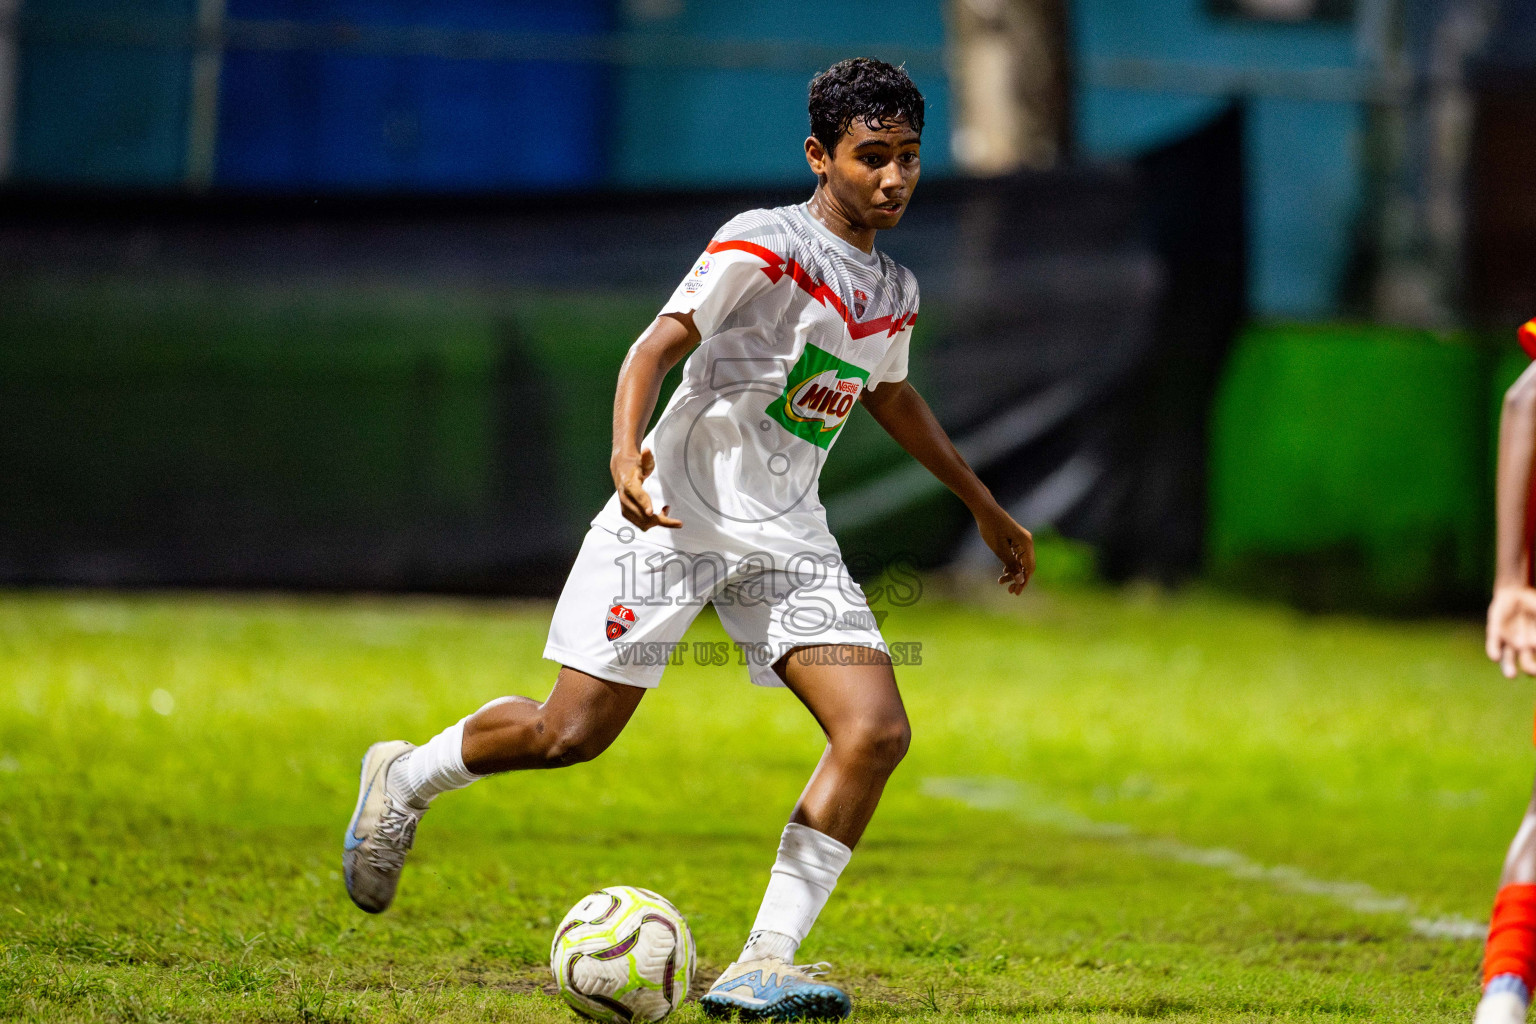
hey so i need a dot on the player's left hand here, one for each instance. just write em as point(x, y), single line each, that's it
point(1511, 635)
point(1012, 544)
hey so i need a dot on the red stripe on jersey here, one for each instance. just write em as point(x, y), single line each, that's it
point(775, 267)
point(778, 266)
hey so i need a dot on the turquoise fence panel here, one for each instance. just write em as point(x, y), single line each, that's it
point(103, 92)
point(745, 124)
point(1304, 156)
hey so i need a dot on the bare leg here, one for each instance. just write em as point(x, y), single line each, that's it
point(852, 693)
point(1508, 955)
point(578, 721)
point(1520, 861)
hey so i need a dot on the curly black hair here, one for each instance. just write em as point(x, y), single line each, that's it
point(863, 89)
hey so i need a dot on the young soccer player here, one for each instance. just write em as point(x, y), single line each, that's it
point(792, 317)
point(1509, 964)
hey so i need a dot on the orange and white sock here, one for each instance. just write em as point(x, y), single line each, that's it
point(1509, 965)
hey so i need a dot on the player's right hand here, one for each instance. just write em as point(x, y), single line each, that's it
point(1512, 630)
point(629, 473)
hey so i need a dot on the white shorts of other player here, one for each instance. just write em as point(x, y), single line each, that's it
point(627, 604)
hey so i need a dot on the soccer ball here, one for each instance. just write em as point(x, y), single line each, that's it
point(623, 954)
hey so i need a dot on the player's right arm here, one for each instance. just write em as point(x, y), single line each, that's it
point(657, 350)
point(728, 273)
point(1512, 613)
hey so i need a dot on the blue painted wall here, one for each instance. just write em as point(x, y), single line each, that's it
point(1304, 156)
point(681, 125)
point(301, 119)
point(296, 119)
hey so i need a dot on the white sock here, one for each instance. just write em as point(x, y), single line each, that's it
point(432, 768)
point(765, 944)
point(804, 875)
point(1504, 999)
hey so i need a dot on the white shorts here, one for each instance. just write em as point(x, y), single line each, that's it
point(626, 606)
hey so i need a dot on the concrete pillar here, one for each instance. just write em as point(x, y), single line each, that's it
point(203, 110)
point(1009, 75)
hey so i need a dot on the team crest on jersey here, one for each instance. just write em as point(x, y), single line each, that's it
point(620, 619)
point(860, 303)
point(819, 396)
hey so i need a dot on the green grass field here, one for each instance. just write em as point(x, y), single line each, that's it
point(1117, 806)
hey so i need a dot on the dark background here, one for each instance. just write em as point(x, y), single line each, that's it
point(333, 296)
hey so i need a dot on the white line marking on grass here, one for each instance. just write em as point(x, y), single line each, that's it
point(996, 794)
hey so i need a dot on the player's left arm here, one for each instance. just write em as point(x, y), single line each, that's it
point(1511, 631)
point(903, 414)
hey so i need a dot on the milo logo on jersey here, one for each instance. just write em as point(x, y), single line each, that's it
point(819, 396)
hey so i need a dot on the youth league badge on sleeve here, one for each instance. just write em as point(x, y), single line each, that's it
point(700, 275)
point(717, 284)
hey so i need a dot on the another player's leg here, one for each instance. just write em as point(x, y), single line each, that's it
point(1509, 965)
point(581, 717)
point(852, 693)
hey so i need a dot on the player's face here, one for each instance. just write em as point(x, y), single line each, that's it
point(873, 171)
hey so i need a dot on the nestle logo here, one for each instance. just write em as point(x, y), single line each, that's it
point(824, 397)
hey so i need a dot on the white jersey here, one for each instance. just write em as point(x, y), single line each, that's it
point(795, 324)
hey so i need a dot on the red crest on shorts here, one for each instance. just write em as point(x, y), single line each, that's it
point(619, 621)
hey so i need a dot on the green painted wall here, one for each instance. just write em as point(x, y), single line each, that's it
point(328, 408)
point(294, 407)
point(1350, 467)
